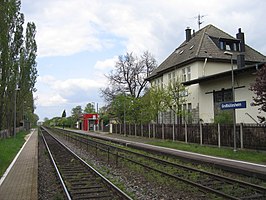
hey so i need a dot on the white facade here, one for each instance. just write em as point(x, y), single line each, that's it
point(200, 95)
point(203, 64)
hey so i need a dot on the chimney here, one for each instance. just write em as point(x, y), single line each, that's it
point(241, 37)
point(240, 61)
point(188, 34)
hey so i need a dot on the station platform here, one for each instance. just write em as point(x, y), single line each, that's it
point(20, 180)
point(236, 166)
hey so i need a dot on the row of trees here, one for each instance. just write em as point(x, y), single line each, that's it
point(18, 71)
point(71, 120)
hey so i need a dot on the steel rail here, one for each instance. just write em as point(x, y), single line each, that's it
point(57, 170)
point(216, 176)
point(108, 183)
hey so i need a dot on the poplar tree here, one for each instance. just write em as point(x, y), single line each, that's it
point(17, 65)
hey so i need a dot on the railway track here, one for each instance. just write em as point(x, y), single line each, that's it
point(219, 185)
point(79, 180)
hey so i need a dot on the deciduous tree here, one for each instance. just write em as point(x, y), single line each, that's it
point(129, 76)
point(89, 108)
point(259, 88)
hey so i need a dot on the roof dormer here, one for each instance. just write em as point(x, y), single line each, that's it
point(229, 44)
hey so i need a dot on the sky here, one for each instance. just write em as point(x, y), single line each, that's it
point(79, 41)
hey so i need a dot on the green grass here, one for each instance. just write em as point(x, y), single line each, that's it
point(241, 154)
point(9, 148)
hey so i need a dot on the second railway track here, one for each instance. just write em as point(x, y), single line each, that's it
point(223, 186)
point(80, 181)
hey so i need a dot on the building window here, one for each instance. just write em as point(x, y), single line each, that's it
point(183, 93)
point(186, 74)
point(189, 107)
point(223, 96)
point(169, 78)
point(220, 97)
point(229, 45)
point(173, 76)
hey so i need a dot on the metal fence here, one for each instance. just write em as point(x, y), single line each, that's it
point(250, 136)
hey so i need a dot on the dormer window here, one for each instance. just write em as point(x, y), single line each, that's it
point(229, 45)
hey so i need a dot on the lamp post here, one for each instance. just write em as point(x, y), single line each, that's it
point(233, 97)
point(15, 108)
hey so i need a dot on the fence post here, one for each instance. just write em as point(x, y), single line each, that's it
point(149, 130)
point(153, 130)
point(120, 130)
point(135, 130)
point(219, 135)
point(125, 129)
point(200, 133)
point(111, 128)
point(241, 136)
point(173, 132)
point(141, 129)
point(162, 131)
point(185, 132)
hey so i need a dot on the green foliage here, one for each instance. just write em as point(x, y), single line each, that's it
point(104, 115)
point(89, 108)
point(17, 65)
point(76, 112)
point(175, 97)
point(153, 102)
point(224, 117)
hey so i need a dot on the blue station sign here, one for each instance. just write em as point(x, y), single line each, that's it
point(233, 105)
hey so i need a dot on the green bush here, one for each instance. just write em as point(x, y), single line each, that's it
point(224, 117)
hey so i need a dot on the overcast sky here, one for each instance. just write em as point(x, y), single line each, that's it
point(79, 40)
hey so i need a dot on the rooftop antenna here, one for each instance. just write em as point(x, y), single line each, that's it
point(199, 18)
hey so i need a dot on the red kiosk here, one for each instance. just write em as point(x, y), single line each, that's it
point(90, 122)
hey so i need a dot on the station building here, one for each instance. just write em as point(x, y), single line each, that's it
point(204, 63)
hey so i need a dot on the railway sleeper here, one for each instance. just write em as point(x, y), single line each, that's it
point(100, 196)
point(76, 183)
point(86, 187)
point(255, 196)
point(89, 191)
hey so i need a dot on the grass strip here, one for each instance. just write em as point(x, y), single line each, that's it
point(241, 154)
point(9, 147)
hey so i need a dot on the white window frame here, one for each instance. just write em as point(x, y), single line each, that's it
point(186, 73)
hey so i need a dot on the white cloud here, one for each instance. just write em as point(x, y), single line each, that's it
point(72, 26)
point(55, 92)
point(106, 65)
point(49, 99)
point(69, 86)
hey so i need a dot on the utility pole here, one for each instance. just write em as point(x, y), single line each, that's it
point(15, 109)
